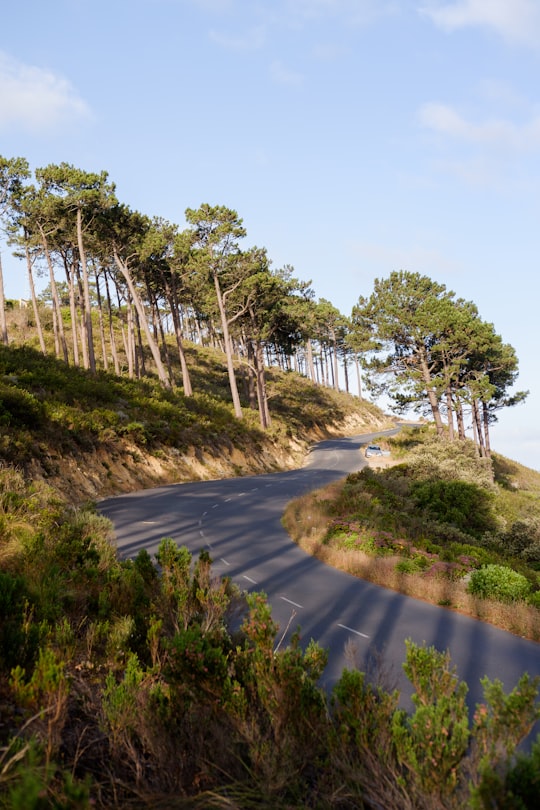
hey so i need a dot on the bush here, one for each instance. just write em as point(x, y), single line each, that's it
point(459, 503)
point(499, 582)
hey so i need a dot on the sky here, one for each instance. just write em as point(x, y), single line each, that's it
point(353, 137)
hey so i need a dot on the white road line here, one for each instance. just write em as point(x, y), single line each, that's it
point(249, 579)
point(224, 561)
point(291, 602)
point(227, 500)
point(215, 506)
point(149, 522)
point(357, 632)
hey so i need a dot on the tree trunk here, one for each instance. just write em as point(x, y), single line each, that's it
point(228, 349)
point(346, 373)
point(477, 428)
point(101, 322)
point(142, 317)
point(111, 327)
point(358, 377)
point(262, 396)
point(3, 322)
point(34, 300)
point(58, 326)
point(450, 414)
point(485, 421)
point(87, 306)
point(460, 420)
point(431, 395)
point(177, 325)
point(73, 311)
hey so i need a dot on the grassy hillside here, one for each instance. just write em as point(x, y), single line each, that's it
point(95, 436)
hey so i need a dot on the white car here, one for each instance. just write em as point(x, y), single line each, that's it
point(375, 450)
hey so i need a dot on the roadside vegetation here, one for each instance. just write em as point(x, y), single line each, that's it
point(125, 685)
point(439, 523)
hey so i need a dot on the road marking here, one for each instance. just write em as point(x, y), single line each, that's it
point(215, 506)
point(149, 522)
point(291, 602)
point(224, 561)
point(249, 579)
point(357, 632)
point(227, 500)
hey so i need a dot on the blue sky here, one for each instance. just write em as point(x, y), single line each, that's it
point(354, 137)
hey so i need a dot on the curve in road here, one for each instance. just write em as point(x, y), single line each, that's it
point(238, 520)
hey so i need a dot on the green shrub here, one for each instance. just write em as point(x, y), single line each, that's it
point(459, 503)
point(18, 637)
point(20, 408)
point(499, 582)
point(439, 460)
point(412, 566)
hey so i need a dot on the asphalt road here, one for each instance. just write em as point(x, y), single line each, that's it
point(238, 521)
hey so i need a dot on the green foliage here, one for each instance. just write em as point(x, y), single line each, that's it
point(442, 513)
point(19, 408)
point(27, 783)
point(121, 701)
point(436, 459)
point(432, 742)
point(19, 636)
point(466, 506)
point(499, 582)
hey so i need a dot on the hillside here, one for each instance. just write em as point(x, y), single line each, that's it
point(92, 436)
point(434, 521)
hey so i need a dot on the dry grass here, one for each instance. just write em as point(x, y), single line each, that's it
point(306, 519)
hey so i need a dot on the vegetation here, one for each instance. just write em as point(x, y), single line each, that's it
point(432, 352)
point(440, 523)
point(133, 282)
point(122, 685)
point(136, 289)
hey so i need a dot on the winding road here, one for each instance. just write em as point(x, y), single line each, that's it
point(238, 521)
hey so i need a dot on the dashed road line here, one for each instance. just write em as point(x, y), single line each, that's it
point(350, 629)
point(291, 602)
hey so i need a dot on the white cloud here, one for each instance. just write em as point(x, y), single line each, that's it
point(445, 120)
point(35, 99)
point(283, 75)
point(515, 20)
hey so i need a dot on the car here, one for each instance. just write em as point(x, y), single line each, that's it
point(375, 450)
